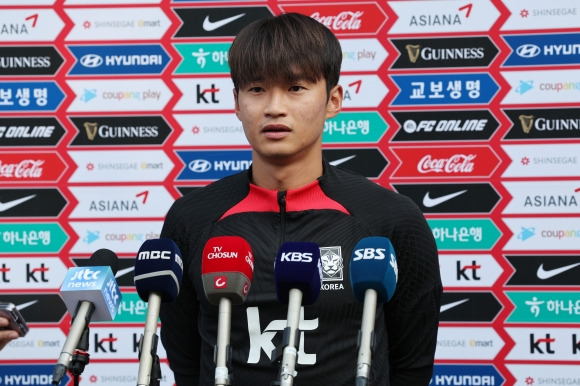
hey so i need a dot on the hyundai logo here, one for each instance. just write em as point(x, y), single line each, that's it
point(199, 166)
point(528, 51)
point(91, 60)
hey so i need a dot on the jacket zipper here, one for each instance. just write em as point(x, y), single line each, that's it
point(282, 204)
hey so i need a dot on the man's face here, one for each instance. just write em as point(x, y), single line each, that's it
point(284, 121)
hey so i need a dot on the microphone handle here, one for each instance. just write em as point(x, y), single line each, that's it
point(290, 353)
point(222, 373)
point(367, 327)
point(146, 357)
point(82, 317)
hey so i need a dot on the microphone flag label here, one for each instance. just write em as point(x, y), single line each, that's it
point(158, 268)
point(374, 266)
point(94, 284)
point(220, 282)
point(227, 267)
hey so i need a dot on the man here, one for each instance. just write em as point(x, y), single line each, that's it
point(6, 333)
point(285, 71)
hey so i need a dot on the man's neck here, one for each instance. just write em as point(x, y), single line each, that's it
point(285, 177)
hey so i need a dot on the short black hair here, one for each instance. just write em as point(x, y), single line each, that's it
point(287, 47)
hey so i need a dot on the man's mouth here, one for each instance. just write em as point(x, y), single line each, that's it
point(275, 129)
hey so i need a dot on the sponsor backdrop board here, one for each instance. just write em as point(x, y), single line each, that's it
point(112, 109)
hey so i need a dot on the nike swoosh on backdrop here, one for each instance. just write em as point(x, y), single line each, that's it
point(4, 206)
point(24, 305)
point(213, 25)
point(342, 160)
point(446, 307)
point(431, 202)
point(546, 274)
point(122, 272)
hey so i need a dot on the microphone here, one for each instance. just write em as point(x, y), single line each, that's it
point(158, 276)
point(89, 292)
point(373, 276)
point(298, 278)
point(227, 267)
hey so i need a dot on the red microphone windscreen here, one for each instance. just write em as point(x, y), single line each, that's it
point(227, 267)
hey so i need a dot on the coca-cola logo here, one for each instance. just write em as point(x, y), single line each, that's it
point(458, 163)
point(23, 167)
point(344, 21)
point(349, 18)
point(445, 161)
point(30, 169)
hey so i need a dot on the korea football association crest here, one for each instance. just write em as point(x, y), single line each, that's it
point(332, 263)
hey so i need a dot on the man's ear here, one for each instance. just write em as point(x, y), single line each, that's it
point(334, 104)
point(236, 103)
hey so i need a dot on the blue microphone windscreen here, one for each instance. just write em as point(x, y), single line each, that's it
point(373, 265)
point(298, 266)
point(158, 268)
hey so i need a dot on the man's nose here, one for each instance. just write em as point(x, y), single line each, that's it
point(276, 103)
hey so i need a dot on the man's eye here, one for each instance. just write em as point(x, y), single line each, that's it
point(296, 88)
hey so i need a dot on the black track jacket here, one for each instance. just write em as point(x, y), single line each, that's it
point(336, 211)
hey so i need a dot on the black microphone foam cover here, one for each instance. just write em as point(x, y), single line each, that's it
point(158, 268)
point(298, 266)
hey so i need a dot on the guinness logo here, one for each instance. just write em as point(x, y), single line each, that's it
point(413, 51)
point(91, 130)
point(527, 122)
